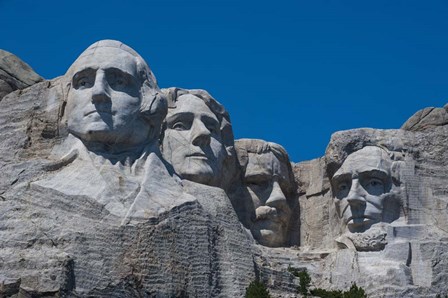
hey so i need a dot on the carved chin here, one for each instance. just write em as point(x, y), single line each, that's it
point(199, 173)
point(359, 225)
point(269, 233)
point(95, 131)
point(270, 238)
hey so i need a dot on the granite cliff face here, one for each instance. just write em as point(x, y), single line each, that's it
point(113, 187)
point(15, 74)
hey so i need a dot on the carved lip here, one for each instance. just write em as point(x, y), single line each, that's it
point(197, 155)
point(365, 220)
point(99, 112)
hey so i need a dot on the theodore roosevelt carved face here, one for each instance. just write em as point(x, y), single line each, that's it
point(269, 181)
point(195, 136)
point(364, 189)
point(105, 100)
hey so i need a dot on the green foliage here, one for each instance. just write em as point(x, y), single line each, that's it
point(440, 296)
point(293, 271)
point(354, 292)
point(326, 294)
point(304, 279)
point(257, 289)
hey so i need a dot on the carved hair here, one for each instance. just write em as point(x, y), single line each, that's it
point(395, 158)
point(245, 146)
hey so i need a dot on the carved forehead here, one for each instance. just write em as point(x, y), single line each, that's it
point(366, 159)
point(192, 104)
point(266, 164)
point(260, 163)
point(106, 57)
point(114, 54)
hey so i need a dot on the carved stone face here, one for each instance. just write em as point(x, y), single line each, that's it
point(192, 141)
point(267, 180)
point(104, 99)
point(360, 187)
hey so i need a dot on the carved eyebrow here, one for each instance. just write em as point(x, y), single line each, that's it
point(179, 116)
point(113, 70)
point(210, 120)
point(83, 71)
point(380, 174)
point(257, 177)
point(340, 177)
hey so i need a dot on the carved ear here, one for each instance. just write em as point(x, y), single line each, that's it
point(230, 151)
point(396, 172)
point(153, 109)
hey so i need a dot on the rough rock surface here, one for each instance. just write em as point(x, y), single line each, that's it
point(427, 118)
point(60, 238)
point(408, 253)
point(55, 243)
point(15, 74)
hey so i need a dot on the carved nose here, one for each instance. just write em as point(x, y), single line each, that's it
point(100, 92)
point(201, 135)
point(356, 196)
point(277, 198)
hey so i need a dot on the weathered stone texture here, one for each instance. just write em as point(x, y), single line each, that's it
point(76, 222)
point(409, 264)
point(427, 118)
point(58, 244)
point(15, 74)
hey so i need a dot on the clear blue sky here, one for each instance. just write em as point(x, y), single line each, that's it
point(291, 72)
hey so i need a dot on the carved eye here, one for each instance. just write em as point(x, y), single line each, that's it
point(259, 183)
point(374, 186)
point(259, 186)
point(179, 126)
point(83, 83)
point(375, 183)
point(212, 125)
point(343, 186)
point(118, 82)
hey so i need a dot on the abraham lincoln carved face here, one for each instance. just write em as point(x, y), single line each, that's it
point(363, 188)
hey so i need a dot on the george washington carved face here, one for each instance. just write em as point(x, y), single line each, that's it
point(112, 96)
point(104, 99)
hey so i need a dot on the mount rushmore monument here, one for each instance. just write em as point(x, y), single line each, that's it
point(113, 187)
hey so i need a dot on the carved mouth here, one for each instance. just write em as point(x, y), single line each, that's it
point(360, 220)
point(197, 155)
point(99, 112)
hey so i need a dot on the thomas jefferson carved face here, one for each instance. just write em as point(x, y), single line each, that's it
point(361, 186)
point(267, 180)
point(104, 99)
point(192, 142)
